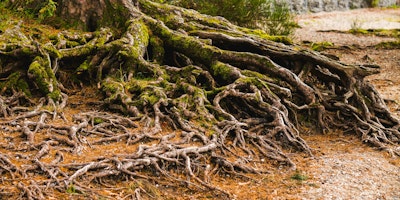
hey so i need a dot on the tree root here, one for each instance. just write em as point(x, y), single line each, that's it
point(196, 95)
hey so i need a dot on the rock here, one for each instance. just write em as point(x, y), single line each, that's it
point(302, 6)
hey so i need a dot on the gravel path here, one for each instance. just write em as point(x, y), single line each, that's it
point(312, 24)
point(351, 170)
point(357, 176)
point(347, 171)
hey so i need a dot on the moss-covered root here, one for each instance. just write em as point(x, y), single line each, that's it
point(15, 83)
point(42, 75)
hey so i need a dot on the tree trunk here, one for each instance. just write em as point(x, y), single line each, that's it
point(230, 91)
point(93, 14)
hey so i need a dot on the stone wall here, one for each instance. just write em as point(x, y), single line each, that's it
point(301, 6)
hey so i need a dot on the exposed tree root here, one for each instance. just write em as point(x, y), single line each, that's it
point(199, 96)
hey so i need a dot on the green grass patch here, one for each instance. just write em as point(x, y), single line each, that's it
point(320, 46)
point(299, 176)
point(389, 45)
point(377, 32)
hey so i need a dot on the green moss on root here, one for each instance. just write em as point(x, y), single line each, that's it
point(42, 75)
point(222, 70)
point(112, 89)
point(319, 46)
point(157, 49)
point(15, 82)
point(82, 67)
point(262, 34)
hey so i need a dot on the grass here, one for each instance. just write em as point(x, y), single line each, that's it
point(320, 46)
point(356, 26)
point(389, 45)
point(71, 189)
point(299, 176)
point(377, 32)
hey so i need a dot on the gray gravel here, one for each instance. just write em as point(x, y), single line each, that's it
point(355, 175)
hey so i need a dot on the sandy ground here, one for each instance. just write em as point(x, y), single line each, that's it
point(313, 25)
point(344, 170)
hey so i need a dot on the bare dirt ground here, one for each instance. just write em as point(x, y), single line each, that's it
point(314, 26)
point(347, 169)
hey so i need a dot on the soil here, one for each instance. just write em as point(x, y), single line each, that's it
point(342, 167)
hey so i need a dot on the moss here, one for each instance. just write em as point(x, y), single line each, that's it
point(82, 67)
point(251, 81)
point(212, 93)
point(157, 49)
point(111, 87)
point(199, 51)
point(167, 15)
point(102, 37)
point(27, 51)
point(41, 73)
point(11, 79)
point(389, 45)
point(137, 85)
point(189, 72)
point(223, 71)
point(114, 16)
point(138, 34)
point(28, 24)
point(23, 86)
point(138, 92)
point(146, 91)
point(257, 75)
point(165, 76)
point(358, 31)
point(15, 82)
point(148, 99)
point(264, 35)
point(71, 44)
point(319, 46)
point(55, 95)
point(97, 120)
point(281, 39)
point(141, 40)
point(377, 32)
point(53, 52)
point(374, 3)
point(299, 176)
